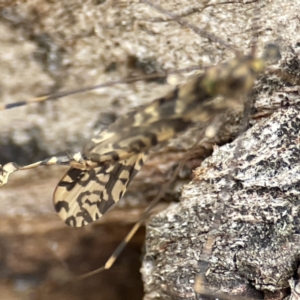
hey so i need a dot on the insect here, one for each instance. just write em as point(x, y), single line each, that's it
point(98, 176)
point(122, 148)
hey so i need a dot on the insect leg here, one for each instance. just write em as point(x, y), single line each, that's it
point(111, 260)
point(65, 160)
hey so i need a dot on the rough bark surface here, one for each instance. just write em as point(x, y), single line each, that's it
point(47, 46)
point(235, 232)
point(256, 196)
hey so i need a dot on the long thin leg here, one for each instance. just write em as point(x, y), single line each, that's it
point(111, 260)
point(65, 160)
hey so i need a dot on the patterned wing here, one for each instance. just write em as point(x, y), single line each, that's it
point(83, 196)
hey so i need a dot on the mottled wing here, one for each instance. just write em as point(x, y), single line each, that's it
point(83, 196)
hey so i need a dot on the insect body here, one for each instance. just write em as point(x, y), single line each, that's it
point(99, 175)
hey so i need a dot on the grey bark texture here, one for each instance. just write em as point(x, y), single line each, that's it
point(47, 46)
point(235, 232)
point(252, 186)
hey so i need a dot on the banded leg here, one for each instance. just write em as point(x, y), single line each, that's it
point(65, 160)
point(112, 259)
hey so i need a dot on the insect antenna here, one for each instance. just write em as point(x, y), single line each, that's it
point(125, 80)
point(210, 36)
